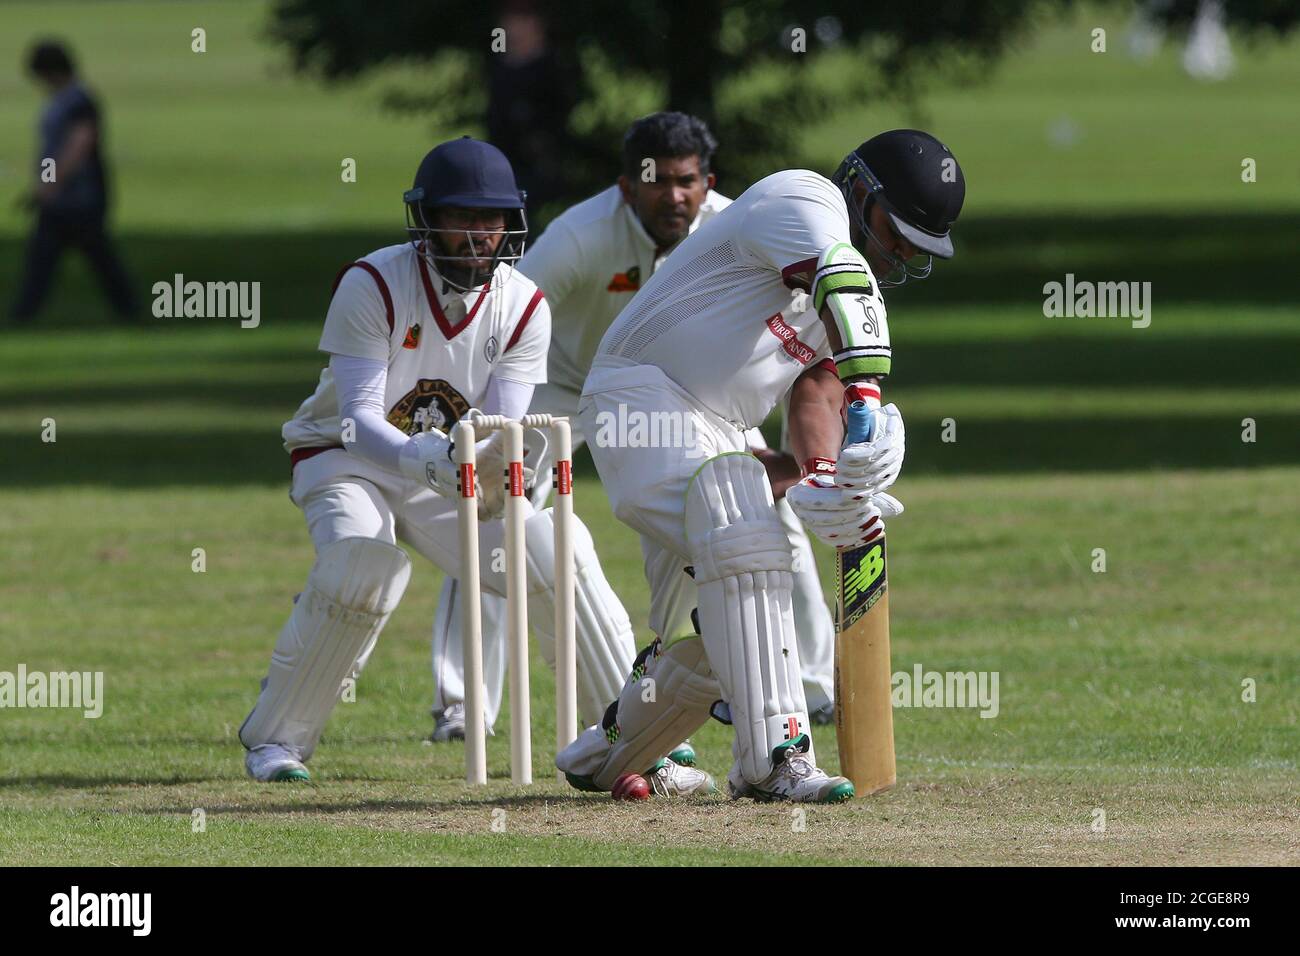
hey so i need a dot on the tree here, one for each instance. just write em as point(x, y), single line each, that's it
point(758, 71)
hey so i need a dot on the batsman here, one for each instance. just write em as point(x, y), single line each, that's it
point(781, 291)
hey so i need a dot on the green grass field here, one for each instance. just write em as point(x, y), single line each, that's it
point(1121, 691)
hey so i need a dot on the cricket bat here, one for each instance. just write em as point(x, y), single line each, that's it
point(864, 714)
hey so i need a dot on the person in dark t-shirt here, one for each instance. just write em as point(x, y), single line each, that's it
point(71, 195)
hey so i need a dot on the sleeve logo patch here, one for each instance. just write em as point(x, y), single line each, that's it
point(799, 351)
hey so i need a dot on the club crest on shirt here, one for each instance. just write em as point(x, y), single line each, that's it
point(412, 340)
point(490, 348)
point(628, 281)
point(433, 403)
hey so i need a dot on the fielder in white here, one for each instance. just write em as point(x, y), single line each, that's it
point(749, 307)
point(590, 261)
point(418, 334)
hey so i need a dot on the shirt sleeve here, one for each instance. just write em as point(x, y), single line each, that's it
point(507, 398)
point(360, 385)
point(359, 319)
point(525, 355)
point(790, 228)
point(554, 262)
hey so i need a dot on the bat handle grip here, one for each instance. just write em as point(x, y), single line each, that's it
point(860, 401)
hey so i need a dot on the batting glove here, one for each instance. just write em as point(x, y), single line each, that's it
point(874, 465)
point(840, 516)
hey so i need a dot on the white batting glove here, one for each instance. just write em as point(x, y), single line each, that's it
point(427, 457)
point(874, 465)
point(840, 516)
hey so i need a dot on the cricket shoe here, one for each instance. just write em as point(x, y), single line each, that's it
point(793, 778)
point(275, 763)
point(683, 754)
point(667, 778)
point(450, 724)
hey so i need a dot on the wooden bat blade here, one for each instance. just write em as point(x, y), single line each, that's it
point(864, 713)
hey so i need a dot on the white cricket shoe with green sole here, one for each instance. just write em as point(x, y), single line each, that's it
point(667, 778)
point(793, 778)
point(275, 763)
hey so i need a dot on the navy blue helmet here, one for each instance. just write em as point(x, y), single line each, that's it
point(916, 180)
point(466, 174)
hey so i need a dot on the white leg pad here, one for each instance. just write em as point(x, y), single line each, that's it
point(665, 700)
point(743, 563)
point(351, 591)
point(606, 647)
point(449, 655)
point(812, 618)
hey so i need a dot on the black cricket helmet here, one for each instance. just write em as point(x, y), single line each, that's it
point(465, 173)
point(917, 181)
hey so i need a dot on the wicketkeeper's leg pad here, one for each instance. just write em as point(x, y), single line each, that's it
point(605, 645)
point(743, 562)
point(351, 591)
point(448, 649)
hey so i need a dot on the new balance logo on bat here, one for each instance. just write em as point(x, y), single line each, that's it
point(860, 578)
point(862, 581)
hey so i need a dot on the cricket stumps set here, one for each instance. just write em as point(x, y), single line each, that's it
point(465, 434)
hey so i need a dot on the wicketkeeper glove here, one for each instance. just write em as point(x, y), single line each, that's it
point(427, 457)
point(492, 477)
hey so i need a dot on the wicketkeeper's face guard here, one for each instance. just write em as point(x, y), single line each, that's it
point(456, 243)
point(852, 171)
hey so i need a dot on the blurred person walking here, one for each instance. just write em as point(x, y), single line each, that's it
point(70, 199)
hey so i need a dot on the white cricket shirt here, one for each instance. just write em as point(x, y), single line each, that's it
point(441, 346)
point(591, 260)
point(727, 318)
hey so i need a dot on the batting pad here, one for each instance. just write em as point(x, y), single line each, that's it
point(605, 646)
point(666, 699)
point(352, 589)
point(743, 575)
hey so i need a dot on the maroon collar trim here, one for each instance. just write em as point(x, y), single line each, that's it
point(449, 331)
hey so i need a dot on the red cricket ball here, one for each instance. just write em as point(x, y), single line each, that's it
point(631, 786)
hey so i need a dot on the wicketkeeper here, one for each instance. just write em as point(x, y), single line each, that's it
point(781, 292)
point(418, 334)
